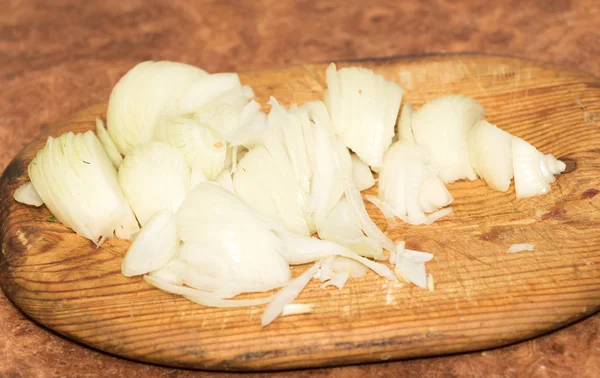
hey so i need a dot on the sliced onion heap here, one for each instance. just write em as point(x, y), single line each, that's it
point(229, 197)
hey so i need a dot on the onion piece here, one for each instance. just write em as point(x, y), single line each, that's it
point(410, 266)
point(78, 183)
point(206, 89)
point(144, 94)
point(27, 195)
point(343, 227)
point(438, 215)
point(430, 283)
point(442, 126)
point(405, 132)
point(153, 247)
point(533, 170)
point(227, 238)
point(154, 177)
point(172, 272)
point(108, 144)
point(196, 177)
point(361, 174)
point(287, 295)
point(490, 154)
point(353, 267)
point(338, 280)
point(364, 107)
point(387, 212)
point(224, 179)
point(301, 250)
point(297, 309)
point(520, 247)
point(202, 147)
point(409, 186)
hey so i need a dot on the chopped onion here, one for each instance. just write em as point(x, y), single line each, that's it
point(153, 247)
point(26, 194)
point(442, 126)
point(343, 227)
point(148, 91)
point(410, 266)
point(430, 283)
point(338, 280)
point(353, 267)
point(224, 179)
point(209, 87)
point(534, 171)
point(287, 295)
point(405, 132)
point(297, 309)
point(196, 177)
point(490, 154)
point(154, 177)
point(361, 174)
point(520, 247)
point(409, 186)
point(364, 107)
point(387, 212)
point(202, 147)
point(78, 183)
point(108, 144)
point(228, 238)
point(172, 272)
point(438, 215)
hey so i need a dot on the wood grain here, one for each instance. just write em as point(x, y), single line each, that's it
point(484, 297)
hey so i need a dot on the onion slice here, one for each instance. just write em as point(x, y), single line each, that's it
point(27, 195)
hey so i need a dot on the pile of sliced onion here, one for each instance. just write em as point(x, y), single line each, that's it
point(229, 197)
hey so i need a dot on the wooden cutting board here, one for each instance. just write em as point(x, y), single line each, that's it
point(484, 297)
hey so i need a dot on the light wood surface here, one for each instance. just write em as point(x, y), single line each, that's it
point(484, 296)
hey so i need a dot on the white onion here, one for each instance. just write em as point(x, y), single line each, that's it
point(410, 266)
point(148, 91)
point(78, 183)
point(409, 185)
point(534, 171)
point(430, 283)
point(342, 226)
point(26, 194)
point(364, 107)
point(206, 89)
point(405, 132)
point(442, 126)
point(353, 267)
point(338, 280)
point(154, 177)
point(520, 247)
point(287, 295)
point(172, 272)
point(202, 147)
point(108, 144)
point(490, 154)
point(297, 309)
point(361, 174)
point(153, 247)
point(225, 180)
point(228, 238)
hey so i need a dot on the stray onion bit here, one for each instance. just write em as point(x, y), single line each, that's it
point(361, 174)
point(172, 272)
point(153, 247)
point(297, 309)
point(520, 247)
point(534, 171)
point(78, 183)
point(409, 185)
point(145, 93)
point(202, 91)
point(410, 266)
point(363, 107)
point(287, 295)
point(442, 126)
point(490, 153)
point(154, 177)
point(438, 215)
point(387, 212)
point(108, 144)
point(430, 283)
point(26, 194)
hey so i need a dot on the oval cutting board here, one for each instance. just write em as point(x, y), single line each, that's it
point(484, 296)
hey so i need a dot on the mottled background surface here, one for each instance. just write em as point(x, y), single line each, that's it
point(58, 56)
